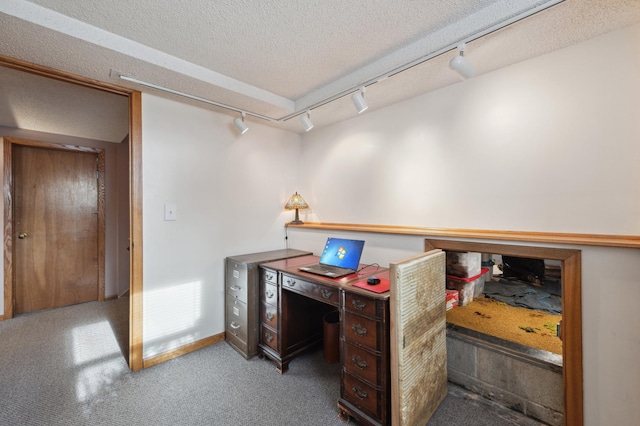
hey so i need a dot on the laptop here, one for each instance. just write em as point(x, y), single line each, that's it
point(339, 257)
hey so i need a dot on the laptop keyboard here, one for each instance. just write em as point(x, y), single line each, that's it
point(332, 270)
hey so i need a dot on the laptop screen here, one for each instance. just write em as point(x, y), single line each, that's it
point(342, 253)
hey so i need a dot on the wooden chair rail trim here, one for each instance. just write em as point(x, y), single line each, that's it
point(602, 240)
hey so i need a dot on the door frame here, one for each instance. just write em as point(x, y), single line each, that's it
point(571, 325)
point(135, 192)
point(9, 195)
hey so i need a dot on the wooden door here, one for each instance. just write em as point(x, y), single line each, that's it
point(55, 228)
point(418, 338)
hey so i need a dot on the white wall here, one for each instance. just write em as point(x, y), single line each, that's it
point(551, 144)
point(229, 190)
point(552, 141)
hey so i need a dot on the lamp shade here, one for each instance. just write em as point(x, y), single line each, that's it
point(296, 202)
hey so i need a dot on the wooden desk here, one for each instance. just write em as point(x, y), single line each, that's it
point(292, 307)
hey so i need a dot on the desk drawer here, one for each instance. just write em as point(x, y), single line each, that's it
point(361, 363)
point(269, 315)
point(361, 394)
point(361, 330)
point(269, 293)
point(269, 337)
point(326, 294)
point(269, 276)
point(363, 305)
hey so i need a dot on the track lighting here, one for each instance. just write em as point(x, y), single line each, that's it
point(359, 102)
point(306, 121)
point(239, 123)
point(460, 65)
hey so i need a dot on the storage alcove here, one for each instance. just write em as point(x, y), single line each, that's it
point(526, 379)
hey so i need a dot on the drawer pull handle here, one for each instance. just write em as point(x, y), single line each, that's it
point(269, 277)
point(269, 294)
point(234, 325)
point(362, 394)
point(268, 337)
point(270, 316)
point(358, 304)
point(291, 283)
point(359, 362)
point(235, 288)
point(359, 330)
point(326, 294)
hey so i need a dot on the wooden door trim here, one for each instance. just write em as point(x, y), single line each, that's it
point(9, 276)
point(135, 189)
point(572, 377)
point(135, 243)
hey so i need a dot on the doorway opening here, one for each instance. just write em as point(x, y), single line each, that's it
point(515, 299)
point(134, 173)
point(571, 325)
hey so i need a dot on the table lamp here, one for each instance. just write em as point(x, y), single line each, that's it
point(296, 202)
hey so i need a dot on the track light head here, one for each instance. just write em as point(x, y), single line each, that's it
point(359, 102)
point(306, 121)
point(239, 123)
point(460, 65)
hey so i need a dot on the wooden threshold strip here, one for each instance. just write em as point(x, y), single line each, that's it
point(623, 241)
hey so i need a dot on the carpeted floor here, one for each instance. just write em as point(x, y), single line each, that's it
point(66, 367)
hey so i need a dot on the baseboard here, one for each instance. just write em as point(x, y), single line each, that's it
point(116, 297)
point(191, 347)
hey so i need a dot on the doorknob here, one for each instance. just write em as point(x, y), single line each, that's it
point(22, 235)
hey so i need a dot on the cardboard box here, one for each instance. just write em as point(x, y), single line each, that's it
point(463, 264)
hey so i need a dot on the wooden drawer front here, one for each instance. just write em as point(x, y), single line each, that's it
point(363, 305)
point(269, 337)
point(361, 363)
point(326, 294)
point(270, 315)
point(361, 330)
point(361, 395)
point(270, 294)
point(269, 276)
point(237, 318)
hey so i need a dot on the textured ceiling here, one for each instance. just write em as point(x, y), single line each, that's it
point(273, 58)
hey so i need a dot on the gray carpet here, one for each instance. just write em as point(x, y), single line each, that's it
point(66, 367)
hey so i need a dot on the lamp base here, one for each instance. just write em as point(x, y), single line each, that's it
point(296, 220)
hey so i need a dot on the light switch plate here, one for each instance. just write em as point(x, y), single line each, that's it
point(170, 211)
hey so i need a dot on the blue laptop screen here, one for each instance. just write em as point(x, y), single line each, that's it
point(342, 253)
